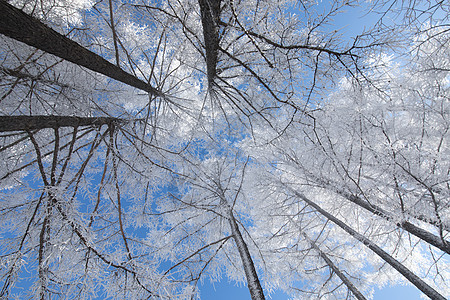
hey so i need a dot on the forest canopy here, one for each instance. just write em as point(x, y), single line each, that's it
point(150, 146)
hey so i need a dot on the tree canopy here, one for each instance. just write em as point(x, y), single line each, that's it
point(148, 146)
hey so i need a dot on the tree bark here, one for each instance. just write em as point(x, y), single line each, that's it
point(24, 123)
point(210, 12)
point(336, 270)
point(17, 25)
point(413, 278)
point(426, 236)
point(254, 286)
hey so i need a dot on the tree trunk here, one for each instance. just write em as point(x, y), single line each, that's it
point(16, 24)
point(24, 123)
point(413, 278)
point(254, 286)
point(210, 12)
point(336, 270)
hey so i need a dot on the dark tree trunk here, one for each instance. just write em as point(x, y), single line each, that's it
point(16, 24)
point(26, 123)
point(210, 12)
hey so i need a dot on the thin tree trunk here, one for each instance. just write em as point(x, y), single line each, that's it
point(16, 24)
point(113, 28)
point(254, 286)
point(336, 270)
point(27, 123)
point(413, 278)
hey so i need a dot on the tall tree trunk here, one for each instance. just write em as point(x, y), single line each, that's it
point(254, 286)
point(24, 123)
point(16, 24)
point(210, 12)
point(413, 278)
point(336, 270)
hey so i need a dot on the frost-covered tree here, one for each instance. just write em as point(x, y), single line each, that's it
point(148, 146)
point(374, 155)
